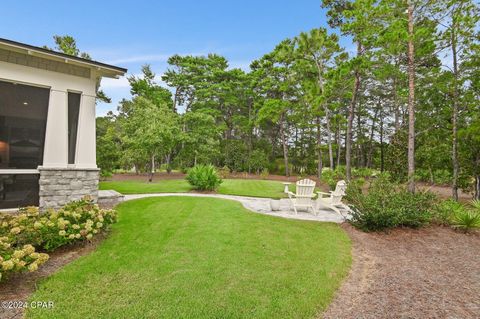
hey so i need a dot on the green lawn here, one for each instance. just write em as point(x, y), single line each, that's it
point(183, 257)
point(244, 187)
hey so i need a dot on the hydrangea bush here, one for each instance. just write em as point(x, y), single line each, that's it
point(22, 234)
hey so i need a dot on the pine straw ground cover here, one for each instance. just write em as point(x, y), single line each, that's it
point(425, 273)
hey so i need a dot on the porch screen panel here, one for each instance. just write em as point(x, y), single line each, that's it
point(23, 119)
point(73, 113)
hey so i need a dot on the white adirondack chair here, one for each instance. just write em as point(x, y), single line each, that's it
point(333, 200)
point(303, 196)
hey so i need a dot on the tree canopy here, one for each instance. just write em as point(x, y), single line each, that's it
point(406, 101)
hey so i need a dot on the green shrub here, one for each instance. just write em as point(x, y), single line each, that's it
point(224, 172)
point(387, 205)
point(438, 176)
point(104, 174)
point(265, 173)
point(204, 177)
point(258, 161)
point(235, 154)
point(467, 219)
point(364, 172)
point(331, 177)
point(277, 166)
point(444, 211)
point(22, 234)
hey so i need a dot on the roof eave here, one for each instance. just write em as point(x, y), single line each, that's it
point(102, 69)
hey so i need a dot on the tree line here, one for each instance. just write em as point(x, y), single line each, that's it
point(404, 101)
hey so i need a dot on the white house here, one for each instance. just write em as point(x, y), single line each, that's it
point(47, 125)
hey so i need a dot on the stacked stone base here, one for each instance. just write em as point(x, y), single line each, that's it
point(59, 186)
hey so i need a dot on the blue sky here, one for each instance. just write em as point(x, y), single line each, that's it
point(132, 33)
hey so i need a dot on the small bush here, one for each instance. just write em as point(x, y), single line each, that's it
point(22, 234)
point(265, 173)
point(224, 172)
point(235, 155)
point(204, 177)
point(258, 161)
point(331, 177)
point(364, 172)
point(104, 174)
point(388, 205)
point(467, 219)
point(444, 211)
point(438, 176)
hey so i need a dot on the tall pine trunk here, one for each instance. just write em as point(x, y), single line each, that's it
point(339, 145)
point(396, 105)
point(411, 100)
point(285, 147)
point(455, 163)
point(372, 133)
point(351, 114)
point(329, 139)
point(382, 150)
point(319, 148)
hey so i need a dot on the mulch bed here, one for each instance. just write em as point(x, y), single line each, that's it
point(427, 273)
point(177, 175)
point(19, 287)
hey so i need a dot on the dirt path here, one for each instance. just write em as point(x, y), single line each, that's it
point(428, 273)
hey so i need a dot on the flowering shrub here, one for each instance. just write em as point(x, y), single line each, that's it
point(19, 259)
point(21, 234)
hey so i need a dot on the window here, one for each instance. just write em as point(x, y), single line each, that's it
point(73, 112)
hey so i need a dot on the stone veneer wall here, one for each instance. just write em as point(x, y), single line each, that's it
point(59, 186)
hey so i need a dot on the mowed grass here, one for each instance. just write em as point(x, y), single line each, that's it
point(242, 187)
point(183, 257)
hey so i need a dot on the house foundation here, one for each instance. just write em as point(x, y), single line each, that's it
point(59, 186)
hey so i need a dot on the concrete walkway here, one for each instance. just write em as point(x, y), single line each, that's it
point(258, 205)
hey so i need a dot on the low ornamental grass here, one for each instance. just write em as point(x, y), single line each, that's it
point(23, 234)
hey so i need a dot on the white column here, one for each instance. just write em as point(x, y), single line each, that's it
point(86, 138)
point(56, 136)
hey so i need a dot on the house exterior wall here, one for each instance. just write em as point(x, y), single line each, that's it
point(61, 182)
